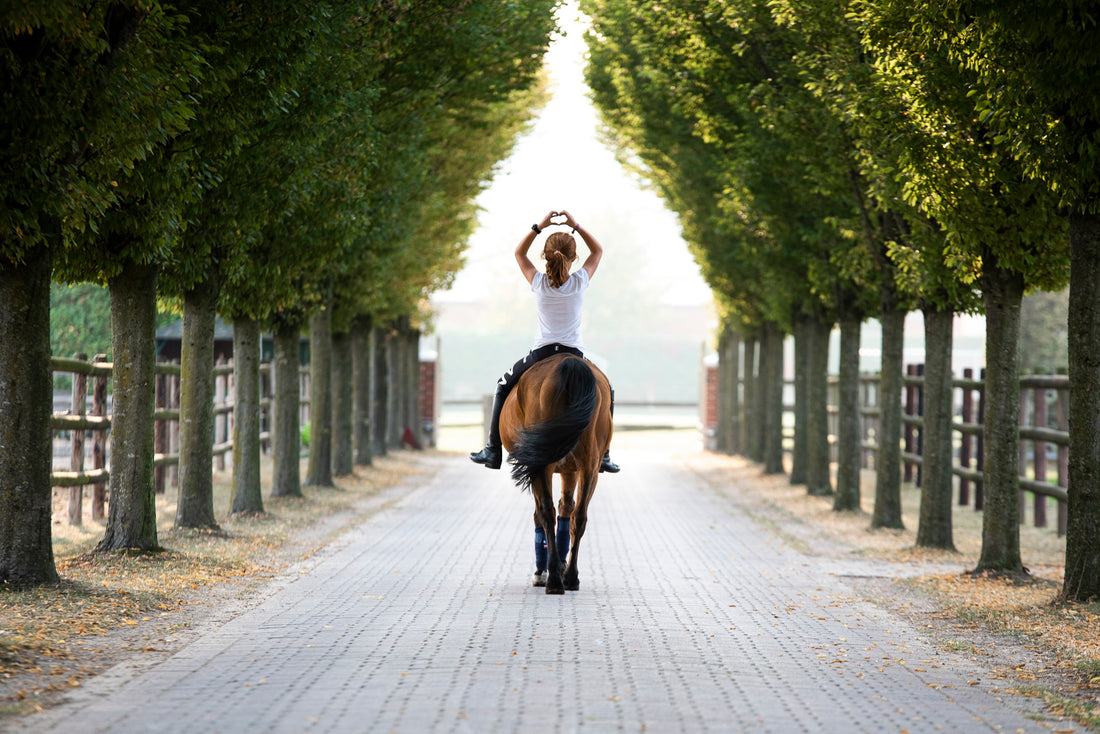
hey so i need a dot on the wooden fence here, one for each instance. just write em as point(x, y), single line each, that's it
point(74, 426)
point(1044, 436)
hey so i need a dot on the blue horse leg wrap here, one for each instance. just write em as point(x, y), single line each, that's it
point(562, 537)
point(540, 549)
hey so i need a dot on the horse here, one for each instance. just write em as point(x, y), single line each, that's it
point(557, 420)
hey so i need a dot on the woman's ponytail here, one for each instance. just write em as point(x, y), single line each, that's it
point(560, 251)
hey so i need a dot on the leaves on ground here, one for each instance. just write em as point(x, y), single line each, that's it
point(47, 633)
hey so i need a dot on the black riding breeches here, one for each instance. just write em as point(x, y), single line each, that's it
point(511, 377)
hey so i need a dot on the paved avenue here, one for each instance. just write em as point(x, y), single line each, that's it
point(690, 618)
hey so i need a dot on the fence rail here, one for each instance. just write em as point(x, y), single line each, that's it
point(72, 427)
point(1041, 430)
point(1043, 434)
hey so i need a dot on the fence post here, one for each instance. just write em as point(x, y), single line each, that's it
point(1021, 452)
point(76, 457)
point(267, 398)
point(160, 430)
point(964, 443)
point(920, 429)
point(230, 401)
point(979, 487)
point(1040, 421)
point(868, 424)
point(220, 417)
point(99, 441)
point(907, 431)
point(174, 426)
point(1063, 458)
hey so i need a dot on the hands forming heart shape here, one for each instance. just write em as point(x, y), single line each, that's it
point(558, 219)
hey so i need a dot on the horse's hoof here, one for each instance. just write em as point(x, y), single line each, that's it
point(539, 579)
point(572, 585)
point(555, 590)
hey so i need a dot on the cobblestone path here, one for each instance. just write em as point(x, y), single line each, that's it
point(691, 618)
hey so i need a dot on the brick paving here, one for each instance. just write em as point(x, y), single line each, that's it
point(690, 618)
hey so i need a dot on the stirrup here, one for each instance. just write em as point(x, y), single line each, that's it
point(609, 466)
point(490, 457)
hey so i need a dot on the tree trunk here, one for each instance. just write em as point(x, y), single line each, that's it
point(800, 453)
point(396, 407)
point(735, 409)
point(360, 378)
point(721, 425)
point(319, 468)
point(1002, 291)
point(380, 390)
point(934, 529)
point(729, 429)
point(132, 510)
point(887, 512)
point(749, 427)
point(26, 400)
point(819, 480)
point(287, 478)
point(773, 400)
point(247, 492)
point(751, 434)
point(415, 421)
point(342, 404)
point(848, 434)
point(195, 507)
point(1082, 580)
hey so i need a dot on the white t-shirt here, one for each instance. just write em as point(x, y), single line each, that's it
point(559, 309)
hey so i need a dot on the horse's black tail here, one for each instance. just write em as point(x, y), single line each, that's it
point(552, 440)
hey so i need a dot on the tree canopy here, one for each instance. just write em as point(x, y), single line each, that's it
point(833, 154)
point(237, 158)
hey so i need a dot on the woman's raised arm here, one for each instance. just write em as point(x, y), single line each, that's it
point(525, 265)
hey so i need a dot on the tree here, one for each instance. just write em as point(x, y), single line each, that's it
point(228, 162)
point(707, 96)
point(996, 218)
point(86, 93)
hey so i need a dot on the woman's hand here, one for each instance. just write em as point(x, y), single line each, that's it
point(546, 220)
point(569, 221)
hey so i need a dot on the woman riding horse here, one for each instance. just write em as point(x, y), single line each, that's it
point(558, 300)
point(559, 296)
point(557, 420)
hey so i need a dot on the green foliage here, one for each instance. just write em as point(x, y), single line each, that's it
point(1044, 337)
point(87, 91)
point(80, 320)
point(1034, 67)
point(823, 151)
point(708, 97)
point(951, 164)
point(472, 75)
point(262, 150)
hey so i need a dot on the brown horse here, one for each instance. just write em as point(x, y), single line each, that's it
point(557, 420)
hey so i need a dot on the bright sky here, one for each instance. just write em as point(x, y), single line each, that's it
point(562, 164)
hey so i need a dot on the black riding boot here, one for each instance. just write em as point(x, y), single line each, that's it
point(491, 455)
point(607, 465)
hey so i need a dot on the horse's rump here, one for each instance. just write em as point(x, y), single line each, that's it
point(556, 411)
point(558, 419)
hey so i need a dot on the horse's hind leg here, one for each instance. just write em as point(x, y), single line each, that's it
point(539, 578)
point(544, 512)
point(586, 488)
point(565, 512)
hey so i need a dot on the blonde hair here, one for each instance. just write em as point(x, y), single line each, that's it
point(559, 252)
